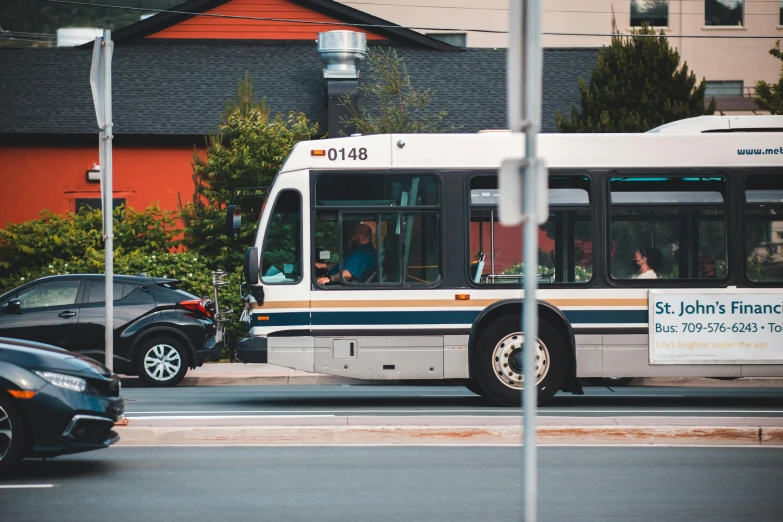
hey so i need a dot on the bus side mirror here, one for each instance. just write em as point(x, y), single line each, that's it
point(233, 221)
point(251, 266)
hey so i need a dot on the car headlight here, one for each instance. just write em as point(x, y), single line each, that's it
point(69, 382)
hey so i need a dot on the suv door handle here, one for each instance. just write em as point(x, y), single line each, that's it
point(66, 314)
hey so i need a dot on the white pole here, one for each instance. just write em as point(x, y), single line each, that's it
point(108, 207)
point(531, 111)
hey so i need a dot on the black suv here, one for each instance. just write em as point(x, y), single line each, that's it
point(159, 330)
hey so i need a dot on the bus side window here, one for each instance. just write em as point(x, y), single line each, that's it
point(402, 214)
point(565, 241)
point(763, 228)
point(664, 226)
point(282, 249)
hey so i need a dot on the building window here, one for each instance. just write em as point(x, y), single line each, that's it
point(724, 12)
point(721, 89)
point(95, 203)
point(780, 21)
point(652, 12)
point(455, 39)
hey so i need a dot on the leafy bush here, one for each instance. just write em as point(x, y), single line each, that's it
point(75, 239)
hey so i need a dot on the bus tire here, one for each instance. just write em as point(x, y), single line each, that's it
point(498, 361)
point(474, 387)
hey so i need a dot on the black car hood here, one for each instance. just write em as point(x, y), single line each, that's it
point(31, 356)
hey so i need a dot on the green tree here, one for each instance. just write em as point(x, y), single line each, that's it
point(396, 105)
point(637, 84)
point(247, 150)
point(769, 96)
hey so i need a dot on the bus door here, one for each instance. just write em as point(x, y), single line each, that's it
point(284, 316)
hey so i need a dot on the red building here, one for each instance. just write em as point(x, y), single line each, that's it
point(173, 73)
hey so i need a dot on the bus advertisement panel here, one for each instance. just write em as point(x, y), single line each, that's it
point(730, 327)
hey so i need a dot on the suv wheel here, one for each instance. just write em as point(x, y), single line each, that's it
point(12, 436)
point(161, 361)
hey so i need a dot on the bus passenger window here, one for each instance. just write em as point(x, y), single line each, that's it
point(763, 228)
point(564, 242)
point(665, 227)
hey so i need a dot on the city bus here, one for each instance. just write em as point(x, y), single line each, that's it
point(662, 257)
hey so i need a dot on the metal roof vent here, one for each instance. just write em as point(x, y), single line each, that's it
point(341, 51)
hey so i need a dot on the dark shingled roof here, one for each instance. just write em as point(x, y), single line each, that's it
point(182, 89)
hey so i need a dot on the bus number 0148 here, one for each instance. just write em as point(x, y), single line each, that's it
point(354, 154)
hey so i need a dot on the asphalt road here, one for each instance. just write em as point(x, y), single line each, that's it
point(398, 484)
point(445, 400)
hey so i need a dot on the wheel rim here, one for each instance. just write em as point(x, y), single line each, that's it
point(162, 362)
point(507, 361)
point(6, 433)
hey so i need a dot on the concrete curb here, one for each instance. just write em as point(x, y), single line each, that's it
point(742, 382)
point(318, 378)
point(446, 435)
point(271, 380)
point(251, 380)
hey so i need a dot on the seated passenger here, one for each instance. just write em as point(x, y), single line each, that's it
point(359, 261)
point(707, 263)
point(641, 262)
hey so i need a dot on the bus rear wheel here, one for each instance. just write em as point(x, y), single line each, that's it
point(499, 355)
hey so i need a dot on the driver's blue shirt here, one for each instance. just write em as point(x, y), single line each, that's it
point(359, 261)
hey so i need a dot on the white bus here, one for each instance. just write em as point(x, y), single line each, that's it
point(381, 257)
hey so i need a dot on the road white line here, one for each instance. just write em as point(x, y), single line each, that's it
point(614, 395)
point(229, 417)
point(472, 395)
point(26, 486)
point(563, 410)
point(439, 445)
point(148, 417)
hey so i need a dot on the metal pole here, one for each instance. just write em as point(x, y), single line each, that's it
point(108, 207)
point(531, 111)
point(492, 242)
point(514, 68)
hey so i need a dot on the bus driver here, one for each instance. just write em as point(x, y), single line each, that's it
point(359, 261)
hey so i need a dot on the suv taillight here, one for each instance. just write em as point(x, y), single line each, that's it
point(196, 305)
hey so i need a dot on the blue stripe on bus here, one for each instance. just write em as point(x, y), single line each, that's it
point(466, 317)
point(283, 319)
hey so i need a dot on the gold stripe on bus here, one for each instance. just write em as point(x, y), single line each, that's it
point(443, 303)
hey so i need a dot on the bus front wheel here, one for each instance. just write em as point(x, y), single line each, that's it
point(498, 361)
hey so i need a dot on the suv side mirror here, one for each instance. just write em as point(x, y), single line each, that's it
point(14, 305)
point(233, 221)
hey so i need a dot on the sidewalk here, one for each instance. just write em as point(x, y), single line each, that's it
point(286, 430)
point(239, 374)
